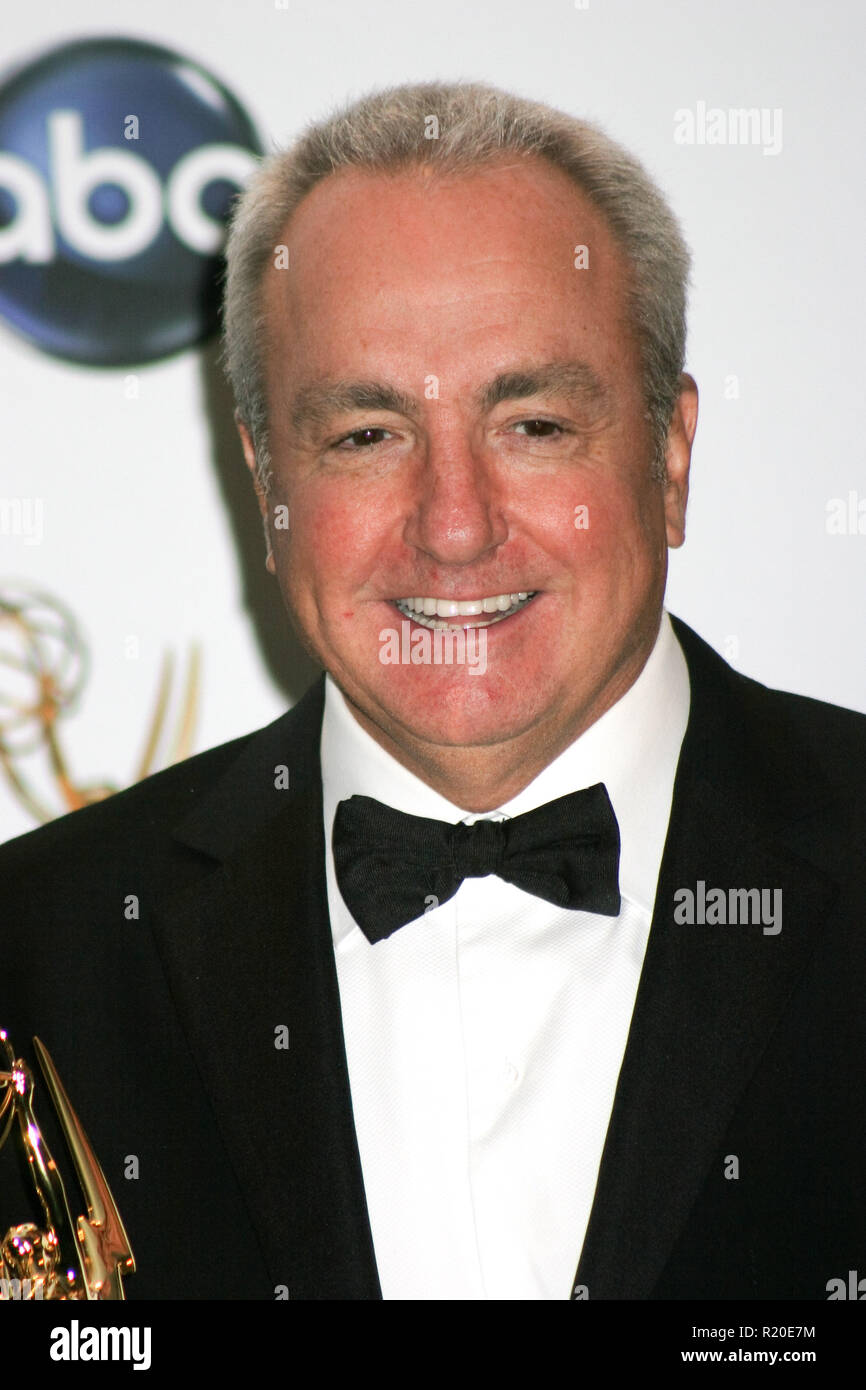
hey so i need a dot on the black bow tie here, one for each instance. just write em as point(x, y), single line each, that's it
point(392, 867)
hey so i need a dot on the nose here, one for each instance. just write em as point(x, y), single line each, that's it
point(457, 516)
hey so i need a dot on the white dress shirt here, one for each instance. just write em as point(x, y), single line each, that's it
point(484, 1040)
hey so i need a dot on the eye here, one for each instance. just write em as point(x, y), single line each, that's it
point(362, 439)
point(540, 429)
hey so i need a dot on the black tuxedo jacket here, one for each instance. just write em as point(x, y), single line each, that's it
point(158, 942)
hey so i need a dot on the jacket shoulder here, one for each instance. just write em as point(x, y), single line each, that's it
point(140, 817)
point(776, 724)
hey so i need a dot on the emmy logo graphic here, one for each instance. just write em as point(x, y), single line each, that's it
point(43, 671)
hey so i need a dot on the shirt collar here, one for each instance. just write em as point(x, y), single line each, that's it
point(633, 749)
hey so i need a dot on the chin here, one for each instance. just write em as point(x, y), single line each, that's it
point(469, 711)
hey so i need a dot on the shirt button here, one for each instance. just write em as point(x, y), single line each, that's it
point(511, 1074)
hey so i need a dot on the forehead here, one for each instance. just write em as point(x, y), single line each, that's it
point(441, 268)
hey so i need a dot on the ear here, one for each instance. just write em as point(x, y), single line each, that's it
point(678, 455)
point(261, 496)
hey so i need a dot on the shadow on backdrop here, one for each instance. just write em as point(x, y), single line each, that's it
point(286, 660)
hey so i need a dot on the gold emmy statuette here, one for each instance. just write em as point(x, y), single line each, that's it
point(65, 1260)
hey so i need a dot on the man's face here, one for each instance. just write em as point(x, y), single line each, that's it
point(456, 414)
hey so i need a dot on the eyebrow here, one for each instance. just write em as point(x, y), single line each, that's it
point(315, 405)
point(576, 380)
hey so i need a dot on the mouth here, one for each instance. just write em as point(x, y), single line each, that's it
point(474, 612)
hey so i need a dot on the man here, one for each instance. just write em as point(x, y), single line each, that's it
point(534, 971)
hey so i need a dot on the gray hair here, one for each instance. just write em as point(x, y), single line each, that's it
point(471, 125)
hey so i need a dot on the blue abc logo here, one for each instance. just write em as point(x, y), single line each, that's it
point(119, 161)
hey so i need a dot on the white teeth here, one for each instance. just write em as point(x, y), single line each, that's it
point(435, 609)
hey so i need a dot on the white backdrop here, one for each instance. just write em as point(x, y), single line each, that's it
point(149, 531)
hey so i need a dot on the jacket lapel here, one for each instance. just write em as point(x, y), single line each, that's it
point(709, 996)
point(248, 955)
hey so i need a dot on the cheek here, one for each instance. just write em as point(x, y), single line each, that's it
point(331, 539)
point(596, 523)
point(624, 520)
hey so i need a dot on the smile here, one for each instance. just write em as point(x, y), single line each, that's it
point(430, 612)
